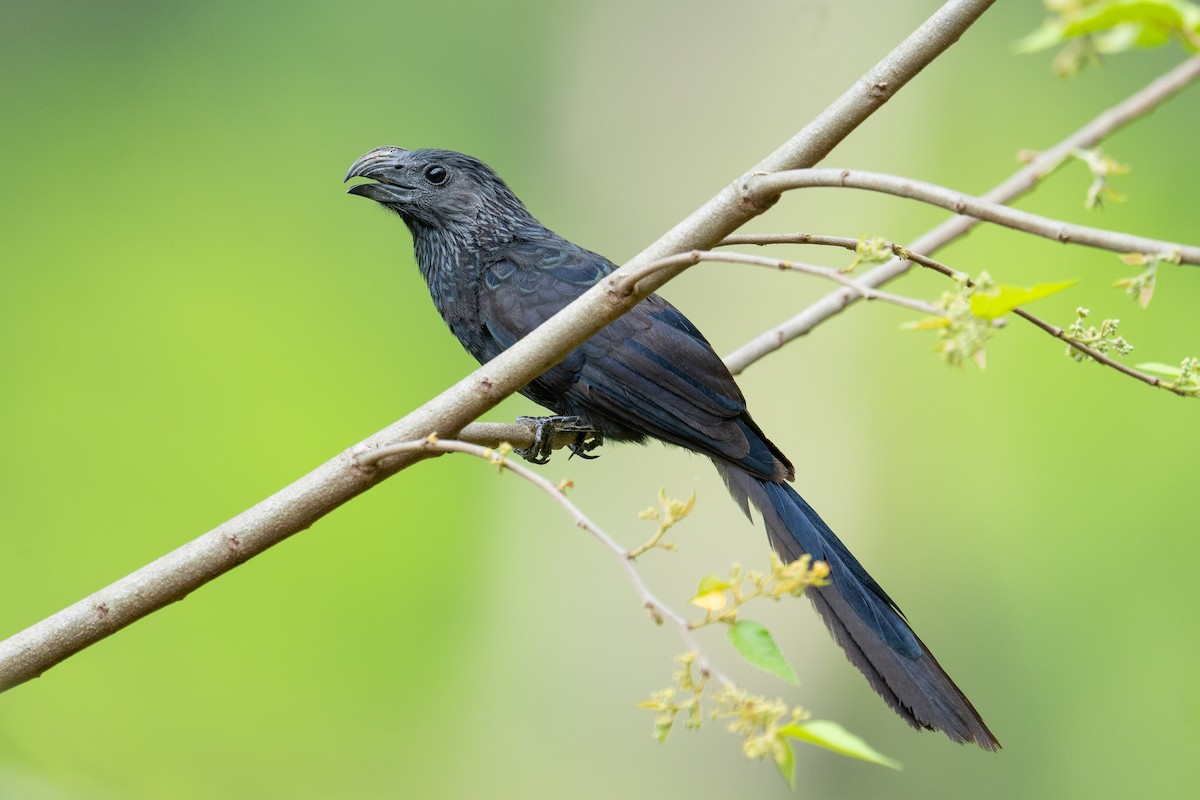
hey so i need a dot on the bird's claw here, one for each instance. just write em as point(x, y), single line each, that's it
point(546, 429)
point(585, 442)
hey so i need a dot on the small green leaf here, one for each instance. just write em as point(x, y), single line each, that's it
point(753, 641)
point(1003, 299)
point(785, 761)
point(834, 737)
point(1157, 18)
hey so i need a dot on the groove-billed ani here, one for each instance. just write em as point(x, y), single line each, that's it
point(496, 273)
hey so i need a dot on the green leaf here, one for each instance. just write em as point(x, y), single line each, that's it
point(1003, 299)
point(755, 644)
point(1161, 369)
point(1119, 25)
point(1157, 18)
point(834, 737)
point(785, 761)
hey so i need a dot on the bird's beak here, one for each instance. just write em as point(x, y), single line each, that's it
point(386, 166)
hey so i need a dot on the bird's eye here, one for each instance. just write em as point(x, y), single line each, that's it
point(436, 174)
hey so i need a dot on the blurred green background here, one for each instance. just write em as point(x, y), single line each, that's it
point(192, 314)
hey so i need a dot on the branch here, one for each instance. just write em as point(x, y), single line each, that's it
point(766, 189)
point(1099, 357)
point(844, 242)
point(1107, 122)
point(170, 578)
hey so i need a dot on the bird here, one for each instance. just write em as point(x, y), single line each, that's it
point(495, 273)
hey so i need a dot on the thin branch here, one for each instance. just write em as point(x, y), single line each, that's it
point(29, 653)
point(767, 188)
point(657, 608)
point(844, 242)
point(1103, 125)
point(1099, 357)
point(783, 265)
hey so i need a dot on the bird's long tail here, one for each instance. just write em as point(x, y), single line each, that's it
point(861, 616)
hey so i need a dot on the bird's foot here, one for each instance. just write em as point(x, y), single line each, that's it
point(585, 442)
point(548, 432)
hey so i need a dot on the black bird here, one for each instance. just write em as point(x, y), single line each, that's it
point(496, 273)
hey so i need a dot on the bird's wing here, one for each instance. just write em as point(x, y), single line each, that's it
point(648, 373)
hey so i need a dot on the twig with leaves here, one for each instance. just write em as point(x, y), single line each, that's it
point(973, 311)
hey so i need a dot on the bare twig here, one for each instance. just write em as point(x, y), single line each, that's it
point(29, 653)
point(1103, 125)
point(783, 265)
point(765, 189)
point(844, 242)
point(658, 610)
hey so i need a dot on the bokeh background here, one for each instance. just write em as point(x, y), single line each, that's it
point(192, 314)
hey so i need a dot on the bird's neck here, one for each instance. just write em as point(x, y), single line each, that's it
point(450, 262)
point(440, 256)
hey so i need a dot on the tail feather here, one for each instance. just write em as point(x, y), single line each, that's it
point(862, 618)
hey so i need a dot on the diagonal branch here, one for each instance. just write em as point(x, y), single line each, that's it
point(1099, 357)
point(294, 508)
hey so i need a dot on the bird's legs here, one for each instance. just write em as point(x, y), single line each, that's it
point(547, 433)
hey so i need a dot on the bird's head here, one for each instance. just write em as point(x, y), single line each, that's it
point(437, 189)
